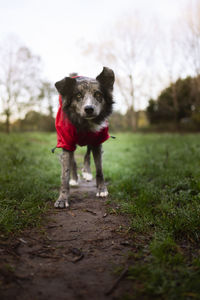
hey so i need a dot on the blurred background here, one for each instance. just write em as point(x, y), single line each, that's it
point(152, 46)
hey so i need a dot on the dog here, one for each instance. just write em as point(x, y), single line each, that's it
point(85, 105)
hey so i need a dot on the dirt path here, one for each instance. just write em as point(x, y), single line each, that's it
point(74, 257)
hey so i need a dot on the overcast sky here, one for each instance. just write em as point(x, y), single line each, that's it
point(53, 29)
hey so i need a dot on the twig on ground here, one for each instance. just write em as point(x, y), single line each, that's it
point(77, 258)
point(57, 241)
point(116, 283)
point(78, 253)
point(46, 256)
point(53, 226)
point(90, 211)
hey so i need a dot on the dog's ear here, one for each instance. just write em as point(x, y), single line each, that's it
point(106, 78)
point(65, 86)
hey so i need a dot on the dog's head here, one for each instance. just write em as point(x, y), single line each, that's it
point(90, 99)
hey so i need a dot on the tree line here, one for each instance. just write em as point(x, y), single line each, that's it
point(145, 58)
point(22, 86)
point(178, 106)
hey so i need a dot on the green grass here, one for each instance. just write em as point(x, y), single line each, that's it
point(154, 179)
point(29, 175)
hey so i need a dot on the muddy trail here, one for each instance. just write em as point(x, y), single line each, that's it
point(76, 255)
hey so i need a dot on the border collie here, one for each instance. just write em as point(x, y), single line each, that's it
point(85, 105)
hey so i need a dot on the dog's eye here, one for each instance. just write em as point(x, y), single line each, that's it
point(78, 96)
point(98, 96)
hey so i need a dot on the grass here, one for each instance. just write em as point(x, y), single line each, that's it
point(155, 179)
point(28, 176)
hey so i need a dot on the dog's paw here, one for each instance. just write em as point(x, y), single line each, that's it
point(102, 193)
point(87, 176)
point(61, 203)
point(73, 182)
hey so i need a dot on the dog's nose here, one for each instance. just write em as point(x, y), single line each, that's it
point(89, 109)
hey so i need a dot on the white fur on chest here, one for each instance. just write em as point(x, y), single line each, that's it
point(97, 127)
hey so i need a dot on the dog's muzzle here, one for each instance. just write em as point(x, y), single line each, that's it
point(89, 110)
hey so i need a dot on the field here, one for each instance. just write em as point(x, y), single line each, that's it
point(155, 181)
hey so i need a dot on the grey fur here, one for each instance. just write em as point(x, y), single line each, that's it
point(97, 154)
point(66, 159)
point(87, 103)
point(86, 167)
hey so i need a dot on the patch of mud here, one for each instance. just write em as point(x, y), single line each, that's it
point(75, 256)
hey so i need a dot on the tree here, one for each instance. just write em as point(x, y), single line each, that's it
point(191, 47)
point(162, 109)
point(124, 50)
point(19, 78)
point(47, 93)
point(36, 121)
point(152, 112)
point(191, 41)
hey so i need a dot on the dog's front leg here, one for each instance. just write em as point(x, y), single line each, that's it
point(86, 171)
point(101, 187)
point(62, 200)
point(73, 169)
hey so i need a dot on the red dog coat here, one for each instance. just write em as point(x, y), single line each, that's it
point(68, 136)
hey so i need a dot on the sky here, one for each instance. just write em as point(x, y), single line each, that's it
point(55, 30)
